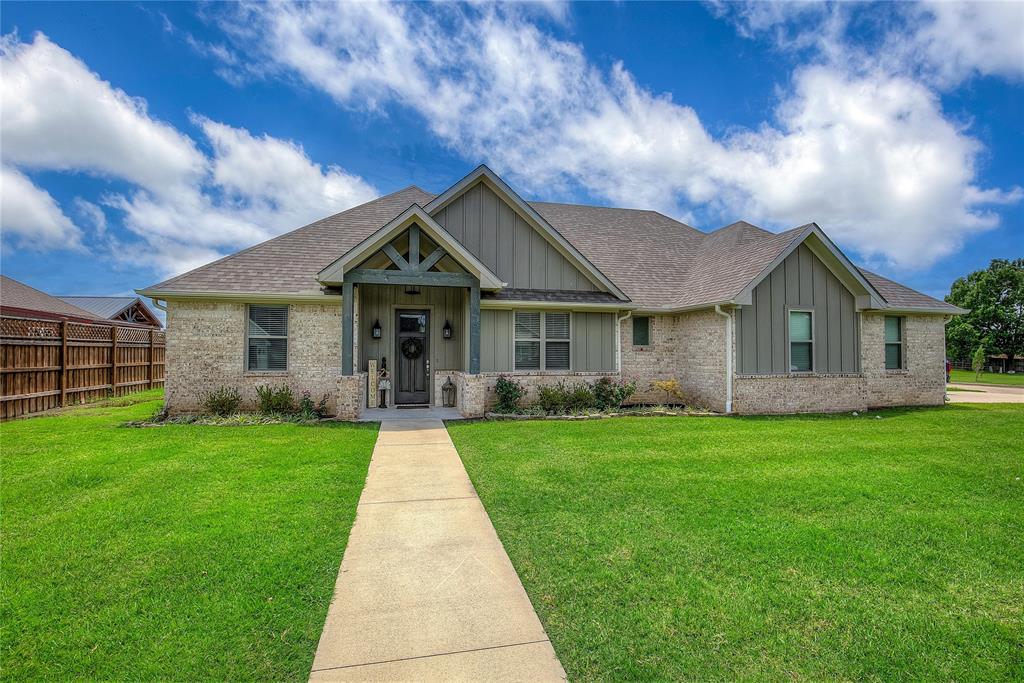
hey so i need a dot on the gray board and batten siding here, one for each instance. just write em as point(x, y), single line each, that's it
point(592, 341)
point(496, 234)
point(800, 282)
point(379, 303)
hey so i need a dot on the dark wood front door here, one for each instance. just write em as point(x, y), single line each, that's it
point(412, 349)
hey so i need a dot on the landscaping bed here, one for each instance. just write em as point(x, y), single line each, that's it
point(182, 553)
point(881, 546)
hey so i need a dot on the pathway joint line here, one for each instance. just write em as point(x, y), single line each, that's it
point(415, 500)
point(439, 654)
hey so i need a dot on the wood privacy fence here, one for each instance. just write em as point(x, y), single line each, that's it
point(48, 364)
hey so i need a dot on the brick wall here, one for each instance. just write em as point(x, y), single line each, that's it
point(923, 382)
point(689, 347)
point(206, 350)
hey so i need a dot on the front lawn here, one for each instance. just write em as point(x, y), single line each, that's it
point(968, 377)
point(815, 547)
point(170, 553)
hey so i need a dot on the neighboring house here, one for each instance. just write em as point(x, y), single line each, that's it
point(127, 309)
point(1000, 362)
point(476, 282)
point(18, 300)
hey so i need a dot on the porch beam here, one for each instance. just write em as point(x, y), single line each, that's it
point(434, 257)
point(371, 276)
point(414, 247)
point(347, 332)
point(395, 257)
point(474, 329)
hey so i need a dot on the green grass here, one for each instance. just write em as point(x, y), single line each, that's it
point(171, 553)
point(797, 548)
point(968, 377)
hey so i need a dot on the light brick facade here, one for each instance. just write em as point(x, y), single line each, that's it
point(206, 350)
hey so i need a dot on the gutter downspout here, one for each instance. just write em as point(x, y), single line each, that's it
point(618, 341)
point(162, 307)
point(728, 356)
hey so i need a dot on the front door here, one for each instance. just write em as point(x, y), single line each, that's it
point(412, 348)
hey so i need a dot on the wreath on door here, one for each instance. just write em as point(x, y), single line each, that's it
point(412, 348)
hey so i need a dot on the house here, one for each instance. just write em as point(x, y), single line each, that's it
point(475, 282)
point(121, 309)
point(18, 300)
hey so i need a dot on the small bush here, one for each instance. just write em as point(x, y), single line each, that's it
point(551, 398)
point(312, 411)
point(221, 401)
point(275, 400)
point(671, 388)
point(509, 392)
point(609, 394)
point(579, 399)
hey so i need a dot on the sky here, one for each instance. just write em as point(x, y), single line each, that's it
point(140, 140)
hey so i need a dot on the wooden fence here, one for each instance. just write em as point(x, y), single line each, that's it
point(48, 364)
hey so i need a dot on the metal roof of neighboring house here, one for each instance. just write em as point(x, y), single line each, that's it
point(658, 262)
point(18, 295)
point(102, 306)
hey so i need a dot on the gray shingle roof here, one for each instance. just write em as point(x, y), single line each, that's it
point(657, 261)
point(16, 294)
point(550, 296)
point(900, 296)
point(102, 306)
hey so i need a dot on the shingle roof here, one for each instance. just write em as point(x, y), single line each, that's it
point(903, 297)
point(102, 306)
point(14, 294)
point(550, 296)
point(657, 261)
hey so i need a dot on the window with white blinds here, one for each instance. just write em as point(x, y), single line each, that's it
point(801, 341)
point(542, 340)
point(267, 345)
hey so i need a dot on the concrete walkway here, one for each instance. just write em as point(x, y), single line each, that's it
point(426, 591)
point(986, 393)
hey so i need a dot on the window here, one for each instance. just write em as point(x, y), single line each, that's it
point(641, 331)
point(267, 339)
point(893, 342)
point(542, 341)
point(801, 341)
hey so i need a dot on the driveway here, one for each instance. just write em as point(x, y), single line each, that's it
point(985, 393)
point(426, 590)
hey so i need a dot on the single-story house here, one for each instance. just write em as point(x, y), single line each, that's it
point(118, 309)
point(476, 282)
point(18, 300)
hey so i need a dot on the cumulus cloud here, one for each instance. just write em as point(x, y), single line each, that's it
point(868, 153)
point(185, 206)
point(30, 217)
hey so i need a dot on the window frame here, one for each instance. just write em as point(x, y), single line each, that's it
point(790, 342)
point(286, 337)
point(542, 340)
point(648, 319)
point(900, 320)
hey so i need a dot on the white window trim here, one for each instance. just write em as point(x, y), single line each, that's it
point(790, 342)
point(543, 339)
point(902, 343)
point(286, 337)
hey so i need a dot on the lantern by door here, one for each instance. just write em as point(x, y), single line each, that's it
point(448, 393)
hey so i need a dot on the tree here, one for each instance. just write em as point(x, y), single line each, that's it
point(978, 363)
point(995, 298)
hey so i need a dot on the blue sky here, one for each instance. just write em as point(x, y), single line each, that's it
point(140, 140)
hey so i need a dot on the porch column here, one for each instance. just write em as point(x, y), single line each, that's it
point(474, 329)
point(347, 315)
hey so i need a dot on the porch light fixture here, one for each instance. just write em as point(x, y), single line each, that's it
point(446, 331)
point(375, 330)
point(412, 290)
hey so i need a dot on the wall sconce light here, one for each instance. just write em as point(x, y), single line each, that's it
point(446, 331)
point(375, 330)
point(412, 290)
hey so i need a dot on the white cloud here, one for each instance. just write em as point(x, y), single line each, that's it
point(185, 207)
point(30, 217)
point(870, 156)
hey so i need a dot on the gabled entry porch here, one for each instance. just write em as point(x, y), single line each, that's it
point(410, 301)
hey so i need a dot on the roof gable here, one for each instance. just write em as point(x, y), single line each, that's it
point(483, 175)
point(21, 299)
point(414, 215)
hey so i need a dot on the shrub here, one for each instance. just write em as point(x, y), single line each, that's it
point(671, 388)
point(579, 398)
point(551, 398)
point(221, 401)
point(609, 394)
point(275, 400)
point(509, 392)
point(312, 411)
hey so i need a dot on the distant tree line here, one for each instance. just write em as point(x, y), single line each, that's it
point(995, 324)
